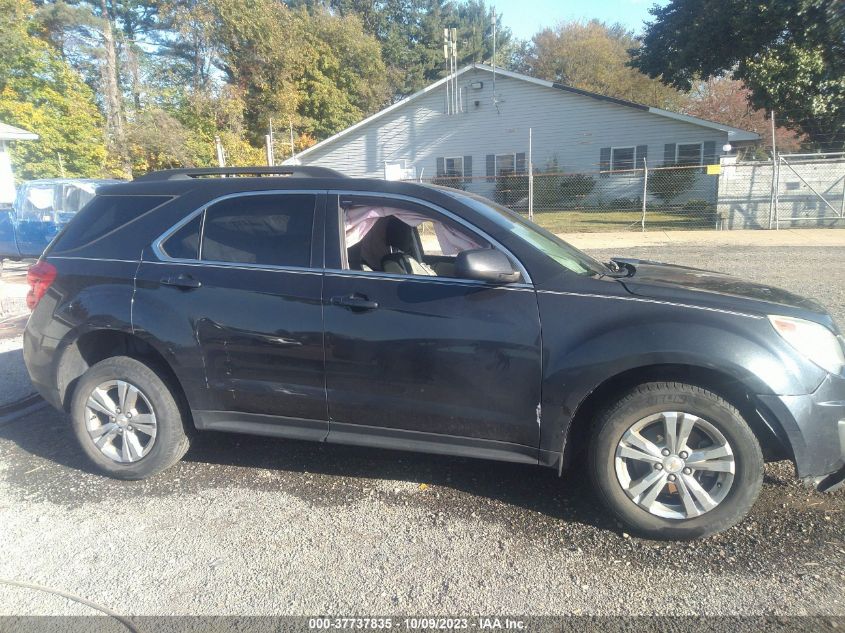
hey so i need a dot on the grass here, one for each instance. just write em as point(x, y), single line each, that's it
point(582, 221)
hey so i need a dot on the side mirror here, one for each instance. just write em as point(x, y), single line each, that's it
point(486, 264)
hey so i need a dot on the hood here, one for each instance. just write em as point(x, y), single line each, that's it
point(664, 281)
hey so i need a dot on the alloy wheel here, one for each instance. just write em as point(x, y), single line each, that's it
point(120, 421)
point(675, 465)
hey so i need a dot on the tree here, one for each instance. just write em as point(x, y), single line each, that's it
point(789, 53)
point(40, 92)
point(410, 33)
point(100, 38)
point(594, 56)
point(344, 77)
point(726, 101)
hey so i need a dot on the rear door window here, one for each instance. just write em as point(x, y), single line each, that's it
point(270, 230)
point(184, 243)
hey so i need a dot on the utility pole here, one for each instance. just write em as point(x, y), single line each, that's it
point(292, 146)
point(221, 156)
point(268, 148)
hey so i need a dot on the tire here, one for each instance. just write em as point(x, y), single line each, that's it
point(720, 441)
point(159, 436)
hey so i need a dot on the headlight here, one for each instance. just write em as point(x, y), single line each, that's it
point(813, 340)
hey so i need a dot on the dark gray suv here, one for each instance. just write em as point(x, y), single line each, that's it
point(306, 305)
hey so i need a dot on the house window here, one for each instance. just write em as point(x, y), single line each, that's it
point(690, 154)
point(505, 164)
point(454, 166)
point(622, 158)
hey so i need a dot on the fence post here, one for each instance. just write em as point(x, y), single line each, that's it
point(530, 176)
point(645, 192)
point(842, 206)
point(777, 190)
point(773, 204)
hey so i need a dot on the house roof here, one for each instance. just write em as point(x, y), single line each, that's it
point(735, 135)
point(12, 133)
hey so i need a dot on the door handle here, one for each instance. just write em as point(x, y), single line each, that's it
point(182, 281)
point(354, 302)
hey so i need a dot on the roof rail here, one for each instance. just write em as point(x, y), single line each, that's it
point(294, 171)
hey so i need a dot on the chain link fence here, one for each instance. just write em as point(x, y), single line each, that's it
point(663, 198)
point(793, 191)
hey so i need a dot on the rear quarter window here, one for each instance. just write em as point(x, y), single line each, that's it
point(101, 216)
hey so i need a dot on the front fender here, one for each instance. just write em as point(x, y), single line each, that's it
point(589, 340)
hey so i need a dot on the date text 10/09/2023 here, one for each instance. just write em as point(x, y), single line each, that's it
point(482, 623)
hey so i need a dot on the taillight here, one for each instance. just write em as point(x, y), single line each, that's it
point(39, 277)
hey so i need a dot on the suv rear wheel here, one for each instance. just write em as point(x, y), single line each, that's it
point(675, 461)
point(127, 419)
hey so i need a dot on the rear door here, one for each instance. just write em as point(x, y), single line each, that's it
point(243, 274)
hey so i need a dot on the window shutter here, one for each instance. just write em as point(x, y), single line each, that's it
point(519, 167)
point(710, 153)
point(491, 167)
point(642, 152)
point(441, 166)
point(669, 154)
point(467, 169)
point(604, 160)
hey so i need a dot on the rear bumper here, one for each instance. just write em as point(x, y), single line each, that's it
point(38, 357)
point(815, 427)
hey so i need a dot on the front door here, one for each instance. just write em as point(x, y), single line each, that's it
point(424, 360)
point(253, 298)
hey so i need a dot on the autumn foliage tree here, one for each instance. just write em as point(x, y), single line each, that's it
point(594, 56)
point(728, 101)
point(40, 92)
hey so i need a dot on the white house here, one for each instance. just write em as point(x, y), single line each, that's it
point(7, 180)
point(573, 130)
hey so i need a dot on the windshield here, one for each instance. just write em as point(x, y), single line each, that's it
point(563, 253)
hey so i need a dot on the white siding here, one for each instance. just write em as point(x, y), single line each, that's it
point(569, 127)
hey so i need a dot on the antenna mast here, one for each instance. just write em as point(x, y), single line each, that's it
point(454, 100)
point(494, 53)
point(447, 57)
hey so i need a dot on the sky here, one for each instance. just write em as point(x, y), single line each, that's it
point(526, 17)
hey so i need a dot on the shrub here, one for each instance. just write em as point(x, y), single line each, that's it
point(551, 190)
point(511, 189)
point(625, 204)
point(576, 187)
point(668, 184)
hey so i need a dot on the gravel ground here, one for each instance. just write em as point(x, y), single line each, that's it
point(257, 526)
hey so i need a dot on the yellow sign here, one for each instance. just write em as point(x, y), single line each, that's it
point(714, 170)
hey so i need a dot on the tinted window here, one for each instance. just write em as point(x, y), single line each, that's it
point(102, 215)
point(184, 243)
point(689, 154)
point(270, 230)
point(622, 158)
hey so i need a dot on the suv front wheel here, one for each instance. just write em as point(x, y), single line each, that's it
point(675, 461)
point(127, 420)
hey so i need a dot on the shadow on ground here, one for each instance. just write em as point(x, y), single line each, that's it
point(43, 463)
